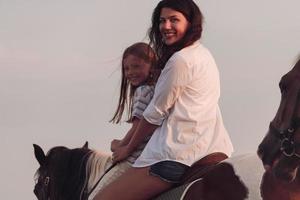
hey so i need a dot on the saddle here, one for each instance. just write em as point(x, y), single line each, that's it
point(202, 166)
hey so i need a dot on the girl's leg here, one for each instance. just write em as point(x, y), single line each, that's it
point(135, 184)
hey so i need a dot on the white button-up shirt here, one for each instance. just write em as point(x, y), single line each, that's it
point(185, 105)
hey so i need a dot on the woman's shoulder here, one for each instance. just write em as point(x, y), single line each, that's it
point(196, 52)
point(195, 49)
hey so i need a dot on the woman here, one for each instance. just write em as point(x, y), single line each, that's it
point(184, 112)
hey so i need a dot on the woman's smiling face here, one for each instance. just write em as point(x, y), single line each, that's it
point(173, 25)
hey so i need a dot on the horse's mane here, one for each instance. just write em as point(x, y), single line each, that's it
point(96, 163)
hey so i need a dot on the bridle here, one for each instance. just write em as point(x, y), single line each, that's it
point(42, 187)
point(44, 180)
point(288, 146)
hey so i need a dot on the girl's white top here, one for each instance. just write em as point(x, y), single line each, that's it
point(142, 97)
point(185, 106)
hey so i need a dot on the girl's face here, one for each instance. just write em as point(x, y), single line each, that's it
point(173, 25)
point(136, 70)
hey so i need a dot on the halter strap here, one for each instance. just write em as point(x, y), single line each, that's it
point(286, 137)
point(88, 193)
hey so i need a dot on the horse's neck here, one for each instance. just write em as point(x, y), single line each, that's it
point(272, 189)
point(294, 190)
point(295, 197)
point(250, 171)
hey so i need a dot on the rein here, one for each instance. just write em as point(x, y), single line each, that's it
point(94, 187)
point(288, 146)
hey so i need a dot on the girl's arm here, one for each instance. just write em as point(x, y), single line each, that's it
point(118, 143)
point(143, 129)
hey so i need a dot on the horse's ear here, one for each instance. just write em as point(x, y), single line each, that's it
point(86, 145)
point(39, 154)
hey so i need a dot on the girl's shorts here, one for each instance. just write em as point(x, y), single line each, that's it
point(169, 171)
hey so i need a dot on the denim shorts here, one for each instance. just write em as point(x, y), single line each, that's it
point(169, 171)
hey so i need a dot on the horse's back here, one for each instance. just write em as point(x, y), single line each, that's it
point(236, 178)
point(249, 169)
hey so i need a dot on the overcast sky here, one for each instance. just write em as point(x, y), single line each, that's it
point(60, 72)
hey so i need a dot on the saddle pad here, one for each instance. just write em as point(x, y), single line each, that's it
point(177, 193)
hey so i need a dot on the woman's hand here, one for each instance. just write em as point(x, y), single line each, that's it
point(115, 144)
point(120, 153)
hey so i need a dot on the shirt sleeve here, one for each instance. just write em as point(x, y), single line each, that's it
point(141, 99)
point(172, 81)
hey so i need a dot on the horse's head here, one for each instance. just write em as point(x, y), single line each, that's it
point(56, 169)
point(280, 149)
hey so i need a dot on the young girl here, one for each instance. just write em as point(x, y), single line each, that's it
point(184, 112)
point(139, 73)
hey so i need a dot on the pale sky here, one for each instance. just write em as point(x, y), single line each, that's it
point(60, 72)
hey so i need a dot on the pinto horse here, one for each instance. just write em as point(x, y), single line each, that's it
point(69, 174)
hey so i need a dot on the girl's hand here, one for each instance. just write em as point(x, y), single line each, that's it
point(121, 153)
point(115, 144)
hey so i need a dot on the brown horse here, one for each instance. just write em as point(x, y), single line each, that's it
point(280, 149)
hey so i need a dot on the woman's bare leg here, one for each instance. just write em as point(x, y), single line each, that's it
point(135, 184)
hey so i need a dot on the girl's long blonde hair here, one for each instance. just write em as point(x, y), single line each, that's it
point(146, 53)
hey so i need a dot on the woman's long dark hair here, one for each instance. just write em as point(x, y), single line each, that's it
point(193, 15)
point(146, 53)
